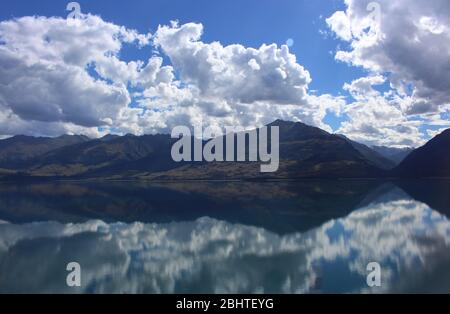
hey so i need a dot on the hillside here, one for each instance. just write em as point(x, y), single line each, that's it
point(396, 155)
point(17, 151)
point(430, 160)
point(305, 152)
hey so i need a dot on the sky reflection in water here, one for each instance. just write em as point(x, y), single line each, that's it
point(220, 254)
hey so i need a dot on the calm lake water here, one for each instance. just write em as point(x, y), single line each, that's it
point(278, 237)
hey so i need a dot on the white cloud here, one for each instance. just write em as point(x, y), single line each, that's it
point(340, 24)
point(57, 77)
point(362, 88)
point(228, 72)
point(11, 124)
point(406, 43)
point(44, 77)
point(377, 118)
point(410, 42)
point(254, 65)
point(229, 85)
point(60, 78)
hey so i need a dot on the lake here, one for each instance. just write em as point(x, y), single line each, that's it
point(312, 236)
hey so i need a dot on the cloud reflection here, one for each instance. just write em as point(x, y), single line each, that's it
point(408, 239)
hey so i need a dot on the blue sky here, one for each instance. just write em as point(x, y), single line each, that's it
point(250, 23)
point(374, 108)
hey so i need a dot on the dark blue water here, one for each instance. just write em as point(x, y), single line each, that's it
point(279, 237)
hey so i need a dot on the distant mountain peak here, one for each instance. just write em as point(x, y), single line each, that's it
point(21, 137)
point(284, 123)
point(370, 154)
point(279, 122)
point(109, 137)
point(76, 136)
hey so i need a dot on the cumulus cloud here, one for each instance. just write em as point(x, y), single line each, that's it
point(11, 124)
point(234, 72)
point(44, 74)
point(362, 88)
point(227, 85)
point(340, 25)
point(378, 118)
point(377, 121)
point(407, 42)
point(58, 77)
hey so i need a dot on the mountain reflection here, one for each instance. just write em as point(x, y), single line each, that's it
point(281, 207)
point(350, 225)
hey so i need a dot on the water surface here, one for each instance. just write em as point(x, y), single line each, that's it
point(278, 237)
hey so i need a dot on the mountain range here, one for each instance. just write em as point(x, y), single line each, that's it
point(396, 155)
point(305, 152)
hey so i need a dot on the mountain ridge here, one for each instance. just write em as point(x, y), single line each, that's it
point(429, 160)
point(305, 152)
point(16, 151)
point(396, 155)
